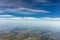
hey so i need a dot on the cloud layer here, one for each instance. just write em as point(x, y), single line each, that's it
point(25, 3)
point(11, 17)
point(23, 11)
point(44, 1)
point(30, 22)
point(10, 21)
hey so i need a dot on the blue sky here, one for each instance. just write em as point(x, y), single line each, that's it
point(14, 13)
point(30, 8)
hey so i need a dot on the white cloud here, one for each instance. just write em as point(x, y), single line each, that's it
point(29, 18)
point(30, 21)
point(52, 19)
point(34, 10)
point(41, 1)
point(38, 19)
point(25, 10)
point(1, 11)
point(6, 16)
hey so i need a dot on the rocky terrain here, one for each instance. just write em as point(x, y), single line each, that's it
point(29, 34)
